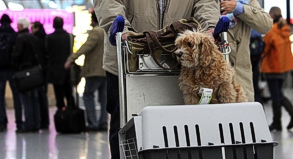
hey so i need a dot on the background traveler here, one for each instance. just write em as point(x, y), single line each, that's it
point(39, 33)
point(58, 48)
point(24, 56)
point(277, 61)
point(7, 41)
point(95, 76)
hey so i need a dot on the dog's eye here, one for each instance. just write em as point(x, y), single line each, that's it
point(189, 44)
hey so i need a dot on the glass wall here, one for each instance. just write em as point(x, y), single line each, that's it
point(45, 16)
point(282, 4)
point(279, 3)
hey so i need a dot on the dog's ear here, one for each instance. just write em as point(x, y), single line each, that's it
point(206, 47)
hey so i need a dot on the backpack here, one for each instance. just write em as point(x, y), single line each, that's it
point(256, 45)
point(6, 42)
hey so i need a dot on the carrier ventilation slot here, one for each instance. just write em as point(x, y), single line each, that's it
point(198, 135)
point(176, 136)
point(232, 139)
point(231, 129)
point(198, 140)
point(242, 132)
point(243, 139)
point(253, 137)
point(187, 140)
point(165, 136)
point(232, 133)
point(221, 133)
point(252, 132)
point(187, 135)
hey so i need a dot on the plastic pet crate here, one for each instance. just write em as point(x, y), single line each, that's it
point(215, 131)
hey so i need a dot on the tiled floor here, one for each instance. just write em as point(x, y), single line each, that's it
point(50, 145)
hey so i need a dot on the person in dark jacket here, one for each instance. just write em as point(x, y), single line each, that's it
point(7, 38)
point(58, 48)
point(24, 57)
point(40, 34)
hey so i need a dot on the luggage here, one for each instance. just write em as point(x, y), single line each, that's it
point(157, 47)
point(70, 119)
point(29, 79)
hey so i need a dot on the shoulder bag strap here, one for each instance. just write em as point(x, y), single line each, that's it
point(152, 45)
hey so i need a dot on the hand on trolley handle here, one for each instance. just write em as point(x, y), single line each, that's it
point(117, 26)
point(222, 29)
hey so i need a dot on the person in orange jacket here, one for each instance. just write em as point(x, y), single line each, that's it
point(277, 61)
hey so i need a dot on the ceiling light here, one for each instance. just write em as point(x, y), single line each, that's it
point(2, 6)
point(69, 9)
point(52, 4)
point(15, 6)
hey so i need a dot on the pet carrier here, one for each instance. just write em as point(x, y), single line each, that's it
point(215, 131)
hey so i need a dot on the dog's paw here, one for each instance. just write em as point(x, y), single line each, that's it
point(226, 93)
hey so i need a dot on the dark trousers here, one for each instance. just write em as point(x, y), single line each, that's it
point(275, 87)
point(6, 75)
point(30, 102)
point(113, 109)
point(255, 79)
point(61, 92)
point(44, 106)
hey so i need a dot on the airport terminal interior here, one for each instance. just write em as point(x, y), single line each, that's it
point(48, 144)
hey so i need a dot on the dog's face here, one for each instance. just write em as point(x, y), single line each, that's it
point(193, 48)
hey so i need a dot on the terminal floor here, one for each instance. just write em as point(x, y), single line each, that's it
point(94, 145)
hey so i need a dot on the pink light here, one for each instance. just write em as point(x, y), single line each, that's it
point(45, 16)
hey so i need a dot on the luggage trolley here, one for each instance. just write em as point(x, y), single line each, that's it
point(155, 123)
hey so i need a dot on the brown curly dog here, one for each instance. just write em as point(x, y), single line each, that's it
point(204, 66)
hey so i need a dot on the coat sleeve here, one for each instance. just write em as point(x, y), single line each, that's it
point(88, 46)
point(107, 10)
point(207, 13)
point(256, 17)
point(47, 45)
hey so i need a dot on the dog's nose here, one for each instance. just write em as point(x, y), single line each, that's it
point(179, 54)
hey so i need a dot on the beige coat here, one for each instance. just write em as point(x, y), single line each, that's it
point(93, 49)
point(144, 15)
point(253, 17)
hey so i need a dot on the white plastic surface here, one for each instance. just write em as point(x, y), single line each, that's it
point(208, 118)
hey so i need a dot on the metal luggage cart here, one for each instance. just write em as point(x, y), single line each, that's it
point(157, 125)
point(149, 85)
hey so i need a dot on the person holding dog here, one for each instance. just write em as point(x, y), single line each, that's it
point(141, 16)
point(244, 16)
